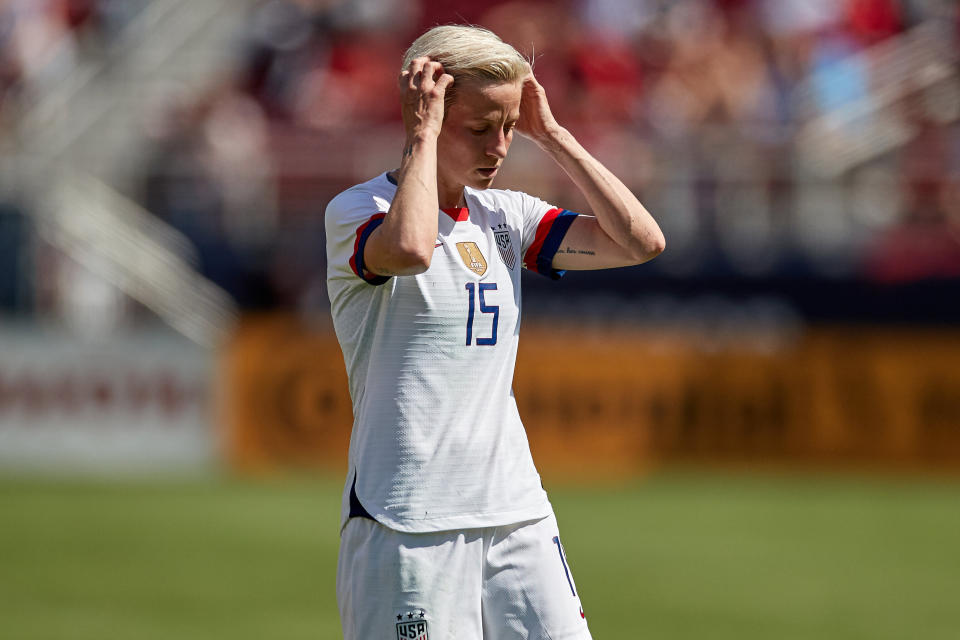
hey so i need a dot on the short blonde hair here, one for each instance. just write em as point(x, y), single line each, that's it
point(469, 53)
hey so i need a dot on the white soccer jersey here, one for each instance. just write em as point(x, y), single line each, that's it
point(437, 442)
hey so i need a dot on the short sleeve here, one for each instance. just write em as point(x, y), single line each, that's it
point(349, 220)
point(544, 227)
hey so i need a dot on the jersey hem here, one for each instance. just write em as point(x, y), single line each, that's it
point(459, 522)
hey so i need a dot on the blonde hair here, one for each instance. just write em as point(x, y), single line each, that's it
point(469, 53)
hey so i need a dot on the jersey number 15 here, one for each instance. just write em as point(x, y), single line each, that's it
point(473, 291)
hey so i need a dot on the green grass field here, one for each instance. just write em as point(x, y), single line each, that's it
point(673, 556)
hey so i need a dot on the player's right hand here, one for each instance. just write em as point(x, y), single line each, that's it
point(423, 86)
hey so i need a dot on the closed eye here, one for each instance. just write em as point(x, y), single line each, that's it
point(506, 129)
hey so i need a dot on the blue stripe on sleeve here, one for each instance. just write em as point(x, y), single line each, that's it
point(551, 245)
point(361, 244)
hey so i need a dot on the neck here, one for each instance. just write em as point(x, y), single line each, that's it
point(449, 195)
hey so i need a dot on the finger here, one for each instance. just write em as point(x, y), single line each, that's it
point(416, 72)
point(431, 73)
point(403, 79)
point(443, 82)
point(428, 77)
point(434, 70)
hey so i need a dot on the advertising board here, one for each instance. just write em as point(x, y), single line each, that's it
point(134, 401)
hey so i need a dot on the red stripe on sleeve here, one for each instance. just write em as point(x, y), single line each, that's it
point(356, 244)
point(543, 229)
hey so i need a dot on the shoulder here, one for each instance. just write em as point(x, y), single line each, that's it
point(501, 198)
point(521, 208)
point(367, 198)
point(515, 204)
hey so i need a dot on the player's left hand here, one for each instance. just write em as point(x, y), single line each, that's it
point(536, 120)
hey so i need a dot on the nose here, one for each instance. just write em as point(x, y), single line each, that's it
point(498, 144)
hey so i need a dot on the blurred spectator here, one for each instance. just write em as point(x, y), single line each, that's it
point(284, 42)
point(41, 42)
point(871, 21)
point(39, 47)
point(697, 102)
point(210, 178)
point(714, 79)
point(13, 258)
point(352, 84)
point(839, 77)
point(322, 63)
point(925, 242)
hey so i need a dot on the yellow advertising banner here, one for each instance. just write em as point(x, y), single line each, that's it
point(620, 400)
point(284, 398)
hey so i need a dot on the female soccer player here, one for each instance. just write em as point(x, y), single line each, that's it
point(446, 529)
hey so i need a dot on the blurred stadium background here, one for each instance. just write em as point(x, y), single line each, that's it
point(756, 435)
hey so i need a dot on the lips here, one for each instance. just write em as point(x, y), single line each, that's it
point(488, 171)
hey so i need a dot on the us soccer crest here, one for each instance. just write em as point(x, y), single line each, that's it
point(502, 237)
point(470, 253)
point(413, 626)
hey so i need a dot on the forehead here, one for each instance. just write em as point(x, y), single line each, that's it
point(475, 100)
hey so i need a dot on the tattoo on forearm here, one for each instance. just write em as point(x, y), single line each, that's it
point(585, 252)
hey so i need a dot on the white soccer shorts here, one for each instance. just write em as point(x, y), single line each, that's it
point(494, 583)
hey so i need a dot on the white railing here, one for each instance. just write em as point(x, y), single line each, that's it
point(142, 256)
point(921, 62)
point(77, 139)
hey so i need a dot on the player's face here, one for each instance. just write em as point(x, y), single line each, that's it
point(476, 134)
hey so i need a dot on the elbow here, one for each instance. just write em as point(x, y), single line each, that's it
point(411, 262)
point(418, 264)
point(657, 245)
point(649, 247)
point(398, 254)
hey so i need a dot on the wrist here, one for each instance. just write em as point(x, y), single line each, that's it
point(422, 136)
point(553, 139)
point(419, 145)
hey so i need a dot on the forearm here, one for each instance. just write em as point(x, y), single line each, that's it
point(404, 243)
point(620, 215)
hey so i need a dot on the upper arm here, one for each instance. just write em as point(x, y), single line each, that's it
point(543, 229)
point(382, 254)
point(587, 246)
point(555, 240)
point(350, 221)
